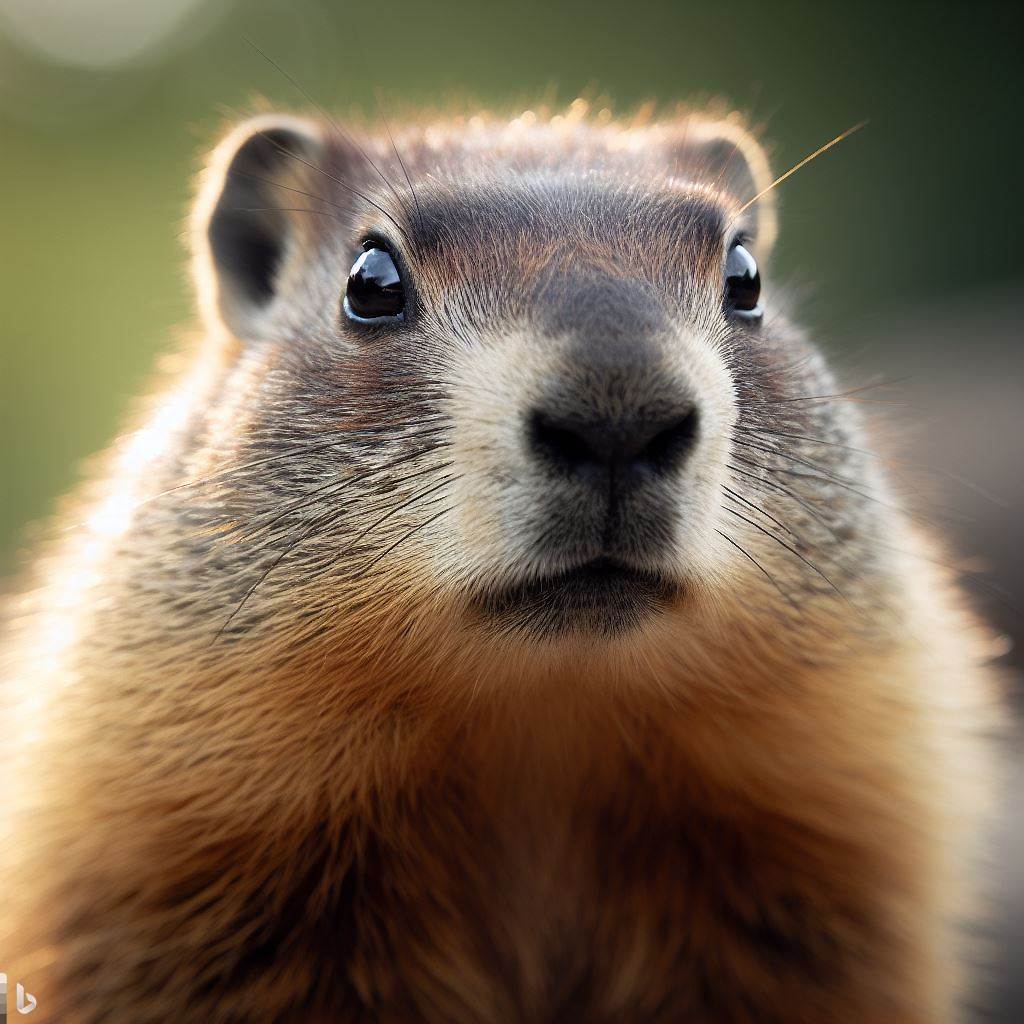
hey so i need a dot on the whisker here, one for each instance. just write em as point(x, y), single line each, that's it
point(746, 554)
point(262, 579)
point(303, 536)
point(739, 497)
point(229, 472)
point(289, 188)
point(774, 485)
point(788, 547)
point(767, 431)
point(348, 136)
point(408, 179)
point(338, 181)
point(999, 594)
point(782, 454)
point(286, 209)
point(763, 432)
point(333, 487)
point(826, 398)
point(839, 483)
point(333, 515)
point(982, 492)
point(417, 499)
point(402, 540)
point(402, 164)
point(803, 163)
point(445, 481)
point(315, 445)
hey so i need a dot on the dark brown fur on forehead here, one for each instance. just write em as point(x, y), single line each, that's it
point(523, 227)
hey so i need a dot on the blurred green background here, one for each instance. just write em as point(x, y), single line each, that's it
point(904, 243)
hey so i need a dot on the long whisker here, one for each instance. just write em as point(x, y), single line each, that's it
point(405, 169)
point(262, 579)
point(338, 181)
point(828, 398)
point(416, 499)
point(739, 497)
point(782, 454)
point(762, 431)
point(782, 543)
point(401, 540)
point(773, 485)
point(348, 136)
point(303, 536)
point(803, 163)
point(993, 590)
point(767, 431)
point(333, 515)
point(286, 209)
point(298, 450)
point(445, 481)
point(743, 551)
point(289, 188)
point(839, 483)
point(408, 179)
point(333, 487)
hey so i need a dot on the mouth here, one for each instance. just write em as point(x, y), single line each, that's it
point(602, 596)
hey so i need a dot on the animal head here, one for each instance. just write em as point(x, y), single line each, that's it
point(524, 378)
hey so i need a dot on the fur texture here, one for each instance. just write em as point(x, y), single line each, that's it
point(274, 755)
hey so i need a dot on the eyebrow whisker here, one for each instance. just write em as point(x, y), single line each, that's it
point(803, 163)
point(347, 135)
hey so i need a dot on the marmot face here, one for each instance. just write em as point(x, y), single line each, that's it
point(526, 380)
point(592, 408)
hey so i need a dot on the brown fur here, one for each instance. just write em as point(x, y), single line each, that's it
point(349, 802)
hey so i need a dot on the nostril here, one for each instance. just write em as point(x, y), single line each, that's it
point(622, 446)
point(560, 444)
point(670, 445)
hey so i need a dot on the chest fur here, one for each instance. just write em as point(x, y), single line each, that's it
point(606, 910)
point(606, 882)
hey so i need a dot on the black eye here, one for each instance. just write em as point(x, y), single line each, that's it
point(742, 284)
point(375, 290)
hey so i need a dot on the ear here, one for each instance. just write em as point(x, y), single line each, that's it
point(725, 153)
point(242, 236)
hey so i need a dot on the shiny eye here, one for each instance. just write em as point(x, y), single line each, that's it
point(375, 290)
point(742, 284)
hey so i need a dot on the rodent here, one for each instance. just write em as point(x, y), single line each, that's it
point(496, 617)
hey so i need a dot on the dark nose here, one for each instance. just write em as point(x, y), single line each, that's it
point(620, 449)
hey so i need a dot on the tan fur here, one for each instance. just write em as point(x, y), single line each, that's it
point(361, 807)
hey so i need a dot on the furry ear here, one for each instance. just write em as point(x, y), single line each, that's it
point(724, 153)
point(241, 233)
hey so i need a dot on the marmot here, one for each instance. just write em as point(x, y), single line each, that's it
point(499, 618)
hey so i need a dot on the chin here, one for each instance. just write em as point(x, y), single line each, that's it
point(602, 598)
